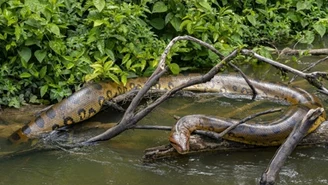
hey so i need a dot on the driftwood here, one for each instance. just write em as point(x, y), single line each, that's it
point(131, 116)
point(289, 51)
point(201, 143)
point(299, 131)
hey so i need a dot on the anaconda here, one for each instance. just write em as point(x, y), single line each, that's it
point(86, 102)
point(264, 134)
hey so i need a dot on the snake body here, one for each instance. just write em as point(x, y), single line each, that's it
point(88, 101)
point(270, 134)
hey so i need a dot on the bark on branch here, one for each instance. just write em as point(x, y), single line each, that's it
point(299, 131)
point(130, 118)
point(289, 51)
point(313, 77)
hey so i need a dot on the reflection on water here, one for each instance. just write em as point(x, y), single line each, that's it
point(104, 165)
point(120, 160)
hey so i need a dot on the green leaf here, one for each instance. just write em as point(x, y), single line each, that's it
point(43, 90)
point(303, 5)
point(70, 65)
point(321, 29)
point(159, 7)
point(98, 23)
point(18, 32)
point(53, 28)
point(126, 58)
point(263, 2)
point(205, 5)
point(124, 79)
point(108, 65)
point(40, 55)
point(14, 102)
point(168, 17)
point(113, 77)
point(175, 69)
point(101, 46)
point(185, 23)
point(251, 19)
point(57, 46)
point(176, 22)
point(25, 75)
point(24, 63)
point(99, 4)
point(34, 72)
point(43, 71)
point(25, 53)
point(189, 28)
point(308, 37)
point(157, 23)
point(110, 54)
point(92, 76)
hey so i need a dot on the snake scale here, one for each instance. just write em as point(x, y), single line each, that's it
point(88, 101)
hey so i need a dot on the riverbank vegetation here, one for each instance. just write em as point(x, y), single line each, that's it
point(49, 48)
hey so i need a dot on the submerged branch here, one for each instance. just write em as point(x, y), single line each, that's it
point(130, 118)
point(289, 51)
point(299, 131)
point(201, 143)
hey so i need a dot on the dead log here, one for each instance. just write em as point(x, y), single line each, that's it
point(289, 51)
point(200, 144)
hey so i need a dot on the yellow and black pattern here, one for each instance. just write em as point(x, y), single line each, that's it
point(86, 102)
point(264, 134)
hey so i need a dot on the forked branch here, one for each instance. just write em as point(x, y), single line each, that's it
point(313, 77)
point(130, 118)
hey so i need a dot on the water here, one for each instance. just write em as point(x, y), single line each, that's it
point(119, 161)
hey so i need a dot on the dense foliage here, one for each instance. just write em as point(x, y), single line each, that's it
point(50, 47)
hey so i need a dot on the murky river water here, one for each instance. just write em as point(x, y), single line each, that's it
point(119, 161)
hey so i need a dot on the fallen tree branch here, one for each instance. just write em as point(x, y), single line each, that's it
point(200, 143)
point(299, 131)
point(130, 118)
point(312, 78)
point(208, 133)
point(289, 51)
point(308, 68)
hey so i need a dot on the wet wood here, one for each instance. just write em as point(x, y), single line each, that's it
point(199, 144)
point(300, 130)
point(289, 51)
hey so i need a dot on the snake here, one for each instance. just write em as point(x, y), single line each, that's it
point(90, 99)
point(270, 133)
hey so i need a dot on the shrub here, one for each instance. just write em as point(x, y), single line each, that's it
point(50, 47)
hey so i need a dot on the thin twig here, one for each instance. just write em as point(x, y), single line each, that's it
point(308, 68)
point(247, 119)
point(42, 110)
point(249, 83)
point(210, 134)
point(129, 119)
point(312, 78)
point(197, 80)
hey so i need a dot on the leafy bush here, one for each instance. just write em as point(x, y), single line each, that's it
point(49, 48)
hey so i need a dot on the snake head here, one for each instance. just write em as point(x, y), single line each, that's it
point(180, 142)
